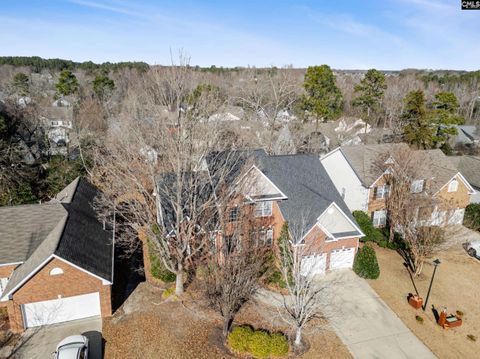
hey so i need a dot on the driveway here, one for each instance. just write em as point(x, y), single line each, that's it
point(41, 342)
point(366, 325)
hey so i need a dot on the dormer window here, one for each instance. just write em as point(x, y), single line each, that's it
point(417, 186)
point(453, 185)
point(263, 209)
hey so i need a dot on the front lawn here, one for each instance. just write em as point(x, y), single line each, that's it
point(456, 286)
point(148, 326)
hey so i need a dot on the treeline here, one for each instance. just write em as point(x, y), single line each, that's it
point(37, 64)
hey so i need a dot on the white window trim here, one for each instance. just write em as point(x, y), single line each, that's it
point(266, 209)
point(379, 218)
point(453, 185)
point(417, 186)
point(382, 191)
point(56, 271)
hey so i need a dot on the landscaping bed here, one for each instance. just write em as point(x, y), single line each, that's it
point(455, 287)
point(152, 327)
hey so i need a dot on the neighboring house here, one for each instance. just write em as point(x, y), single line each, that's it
point(294, 189)
point(467, 135)
point(58, 124)
point(359, 177)
point(469, 167)
point(56, 260)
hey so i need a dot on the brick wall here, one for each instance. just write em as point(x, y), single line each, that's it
point(7, 270)
point(43, 287)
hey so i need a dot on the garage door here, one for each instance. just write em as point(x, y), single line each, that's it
point(342, 258)
point(313, 265)
point(61, 310)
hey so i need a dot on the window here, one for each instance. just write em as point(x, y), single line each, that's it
point(453, 186)
point(56, 271)
point(379, 218)
point(263, 209)
point(382, 191)
point(265, 237)
point(417, 186)
point(233, 215)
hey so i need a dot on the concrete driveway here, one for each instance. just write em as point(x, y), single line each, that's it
point(41, 342)
point(366, 325)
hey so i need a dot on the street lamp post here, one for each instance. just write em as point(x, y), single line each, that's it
point(436, 262)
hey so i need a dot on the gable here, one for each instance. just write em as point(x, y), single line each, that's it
point(257, 186)
point(337, 224)
point(42, 284)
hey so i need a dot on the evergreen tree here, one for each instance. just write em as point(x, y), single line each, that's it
point(445, 116)
point(20, 84)
point(103, 86)
point(323, 98)
point(418, 129)
point(67, 83)
point(370, 92)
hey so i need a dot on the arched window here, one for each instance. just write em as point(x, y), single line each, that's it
point(56, 271)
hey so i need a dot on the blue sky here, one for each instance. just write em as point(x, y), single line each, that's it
point(348, 34)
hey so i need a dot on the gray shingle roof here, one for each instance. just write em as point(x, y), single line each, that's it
point(68, 229)
point(469, 167)
point(305, 182)
point(364, 160)
point(23, 228)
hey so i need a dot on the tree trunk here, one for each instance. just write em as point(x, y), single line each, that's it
point(179, 281)
point(298, 337)
point(227, 323)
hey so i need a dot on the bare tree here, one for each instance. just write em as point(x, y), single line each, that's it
point(267, 94)
point(153, 168)
point(410, 205)
point(302, 303)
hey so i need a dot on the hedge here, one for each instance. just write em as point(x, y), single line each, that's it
point(366, 264)
point(258, 343)
point(472, 216)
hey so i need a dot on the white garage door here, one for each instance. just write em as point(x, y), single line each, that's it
point(61, 310)
point(313, 265)
point(342, 258)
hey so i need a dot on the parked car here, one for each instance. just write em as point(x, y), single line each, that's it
point(72, 347)
point(473, 249)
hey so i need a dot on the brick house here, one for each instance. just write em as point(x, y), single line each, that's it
point(356, 173)
point(56, 260)
point(294, 189)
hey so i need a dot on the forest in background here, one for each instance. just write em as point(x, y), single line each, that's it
point(104, 95)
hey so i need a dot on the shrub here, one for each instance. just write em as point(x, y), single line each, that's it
point(279, 345)
point(419, 319)
point(276, 278)
point(168, 292)
point(366, 264)
point(459, 313)
point(472, 216)
point(371, 233)
point(258, 343)
point(239, 339)
point(157, 269)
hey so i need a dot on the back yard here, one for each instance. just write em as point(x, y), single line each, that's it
point(455, 287)
point(149, 327)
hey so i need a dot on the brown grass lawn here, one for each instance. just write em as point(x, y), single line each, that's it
point(187, 329)
point(456, 286)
